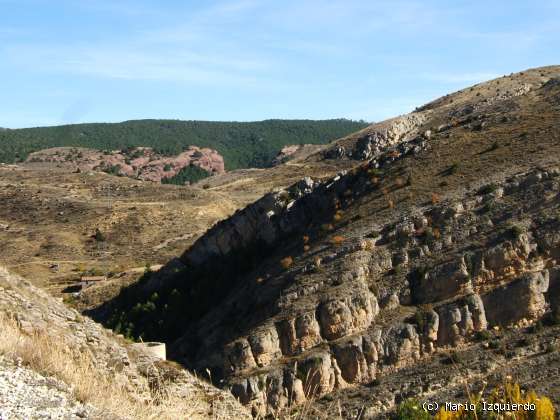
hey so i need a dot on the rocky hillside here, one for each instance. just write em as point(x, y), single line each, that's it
point(442, 238)
point(140, 163)
point(295, 151)
point(471, 108)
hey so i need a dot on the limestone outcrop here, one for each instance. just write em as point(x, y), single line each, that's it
point(335, 340)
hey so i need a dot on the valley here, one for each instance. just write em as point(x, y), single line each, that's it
point(415, 259)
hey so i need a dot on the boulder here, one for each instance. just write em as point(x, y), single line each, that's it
point(459, 319)
point(356, 365)
point(299, 334)
point(444, 281)
point(344, 316)
point(265, 346)
point(238, 356)
point(522, 298)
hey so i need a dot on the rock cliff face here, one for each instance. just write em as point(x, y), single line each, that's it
point(337, 338)
point(287, 212)
point(380, 136)
point(324, 334)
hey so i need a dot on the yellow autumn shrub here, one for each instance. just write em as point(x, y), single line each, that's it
point(509, 393)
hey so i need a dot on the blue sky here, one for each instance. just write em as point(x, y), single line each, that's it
point(69, 61)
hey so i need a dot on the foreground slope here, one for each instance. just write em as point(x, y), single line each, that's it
point(446, 234)
point(90, 371)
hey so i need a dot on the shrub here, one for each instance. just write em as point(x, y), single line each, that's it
point(338, 216)
point(538, 327)
point(148, 268)
point(99, 236)
point(189, 173)
point(487, 189)
point(327, 226)
point(286, 262)
point(409, 180)
point(551, 348)
point(483, 335)
point(337, 240)
point(113, 170)
point(508, 393)
point(453, 169)
point(494, 146)
point(524, 342)
point(454, 358)
point(411, 409)
point(516, 231)
point(495, 344)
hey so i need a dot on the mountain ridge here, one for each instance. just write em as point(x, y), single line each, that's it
point(243, 144)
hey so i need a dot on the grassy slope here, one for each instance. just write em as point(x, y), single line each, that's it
point(243, 144)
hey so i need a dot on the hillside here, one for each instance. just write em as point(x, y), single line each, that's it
point(55, 363)
point(242, 144)
point(430, 260)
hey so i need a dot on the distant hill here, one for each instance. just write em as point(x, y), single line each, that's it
point(243, 144)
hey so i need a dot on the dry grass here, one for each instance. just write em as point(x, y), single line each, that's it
point(51, 357)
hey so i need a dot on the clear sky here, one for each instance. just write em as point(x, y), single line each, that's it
point(68, 61)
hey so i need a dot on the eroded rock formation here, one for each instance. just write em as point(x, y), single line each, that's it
point(316, 342)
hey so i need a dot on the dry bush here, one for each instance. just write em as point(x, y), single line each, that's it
point(327, 226)
point(435, 198)
point(338, 216)
point(50, 356)
point(286, 262)
point(337, 240)
point(507, 393)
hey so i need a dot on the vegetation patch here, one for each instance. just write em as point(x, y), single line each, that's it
point(243, 145)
